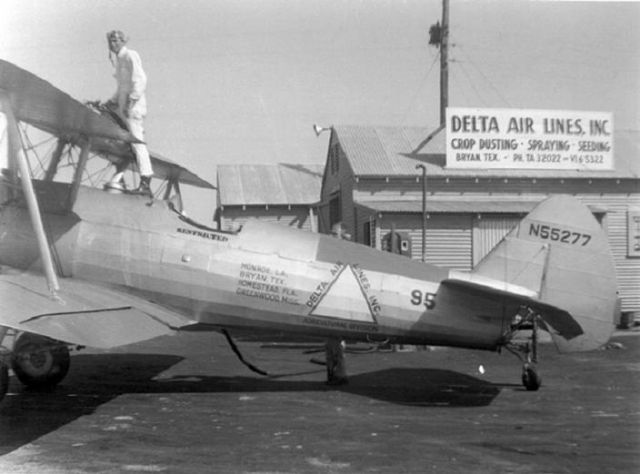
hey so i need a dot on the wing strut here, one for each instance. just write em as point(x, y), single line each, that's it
point(55, 160)
point(17, 154)
point(77, 176)
point(174, 183)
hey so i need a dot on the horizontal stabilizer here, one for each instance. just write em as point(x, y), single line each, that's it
point(480, 282)
point(82, 313)
point(560, 320)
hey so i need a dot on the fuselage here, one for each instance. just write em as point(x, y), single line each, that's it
point(264, 278)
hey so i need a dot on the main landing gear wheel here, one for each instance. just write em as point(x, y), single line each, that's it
point(40, 362)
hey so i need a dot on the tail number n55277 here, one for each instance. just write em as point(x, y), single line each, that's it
point(557, 234)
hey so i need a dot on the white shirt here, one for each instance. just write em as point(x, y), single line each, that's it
point(132, 82)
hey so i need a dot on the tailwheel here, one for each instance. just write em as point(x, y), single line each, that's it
point(530, 378)
point(40, 362)
point(527, 352)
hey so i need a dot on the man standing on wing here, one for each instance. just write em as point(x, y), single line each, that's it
point(130, 103)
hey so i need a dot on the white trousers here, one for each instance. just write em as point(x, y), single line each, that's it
point(136, 126)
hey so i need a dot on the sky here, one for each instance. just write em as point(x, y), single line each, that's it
point(243, 81)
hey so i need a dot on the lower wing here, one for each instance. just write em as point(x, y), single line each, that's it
point(82, 313)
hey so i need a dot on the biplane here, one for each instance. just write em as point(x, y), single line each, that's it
point(85, 267)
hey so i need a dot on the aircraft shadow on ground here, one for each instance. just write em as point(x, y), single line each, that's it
point(94, 380)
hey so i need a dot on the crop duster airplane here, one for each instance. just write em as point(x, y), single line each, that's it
point(85, 267)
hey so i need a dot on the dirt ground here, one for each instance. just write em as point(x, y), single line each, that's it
point(185, 404)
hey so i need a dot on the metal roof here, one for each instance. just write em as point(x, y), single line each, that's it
point(275, 184)
point(395, 151)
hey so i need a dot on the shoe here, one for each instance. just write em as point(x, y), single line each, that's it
point(115, 186)
point(144, 187)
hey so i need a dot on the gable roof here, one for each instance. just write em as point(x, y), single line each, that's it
point(381, 151)
point(281, 183)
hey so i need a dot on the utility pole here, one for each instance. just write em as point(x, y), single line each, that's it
point(424, 211)
point(439, 37)
point(444, 66)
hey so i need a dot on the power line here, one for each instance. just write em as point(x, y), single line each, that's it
point(484, 76)
point(456, 83)
point(423, 81)
point(471, 82)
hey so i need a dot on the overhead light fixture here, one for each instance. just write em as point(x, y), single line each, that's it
point(318, 129)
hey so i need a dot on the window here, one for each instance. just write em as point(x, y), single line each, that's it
point(633, 233)
point(334, 159)
point(335, 210)
point(367, 227)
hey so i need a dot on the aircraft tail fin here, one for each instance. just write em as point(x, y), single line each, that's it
point(560, 251)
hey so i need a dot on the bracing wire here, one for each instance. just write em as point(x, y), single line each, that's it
point(49, 139)
point(30, 149)
point(69, 158)
point(97, 175)
point(160, 191)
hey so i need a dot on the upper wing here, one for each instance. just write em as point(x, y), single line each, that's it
point(42, 105)
point(82, 313)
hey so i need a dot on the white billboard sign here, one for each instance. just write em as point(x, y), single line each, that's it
point(529, 139)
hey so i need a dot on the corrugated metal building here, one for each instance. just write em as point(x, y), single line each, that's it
point(371, 183)
point(283, 193)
